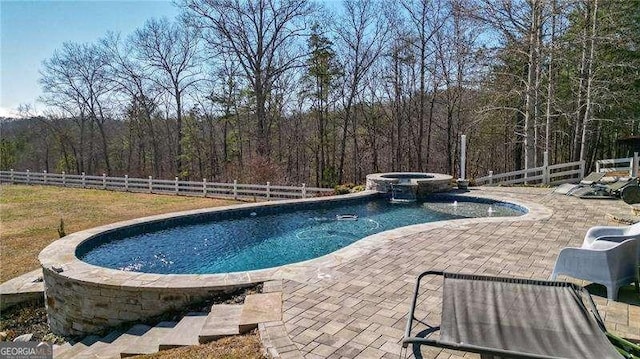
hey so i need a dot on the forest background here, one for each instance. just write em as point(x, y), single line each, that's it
point(292, 91)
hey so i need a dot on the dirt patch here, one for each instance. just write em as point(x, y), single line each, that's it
point(25, 318)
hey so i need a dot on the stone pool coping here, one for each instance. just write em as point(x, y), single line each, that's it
point(60, 255)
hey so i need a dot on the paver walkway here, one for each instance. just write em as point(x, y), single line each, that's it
point(357, 309)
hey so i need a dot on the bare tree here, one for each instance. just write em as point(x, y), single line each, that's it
point(259, 34)
point(361, 40)
point(170, 52)
point(76, 76)
point(130, 79)
point(426, 18)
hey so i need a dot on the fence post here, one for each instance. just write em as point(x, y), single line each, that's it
point(235, 189)
point(44, 173)
point(12, 176)
point(28, 177)
point(64, 179)
point(582, 169)
point(304, 190)
point(177, 188)
point(150, 184)
point(268, 190)
point(126, 183)
point(490, 177)
point(83, 180)
point(545, 170)
point(104, 181)
point(597, 167)
point(204, 187)
point(634, 165)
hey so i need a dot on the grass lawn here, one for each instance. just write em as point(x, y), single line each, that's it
point(30, 217)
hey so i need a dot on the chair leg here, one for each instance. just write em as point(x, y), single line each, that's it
point(612, 292)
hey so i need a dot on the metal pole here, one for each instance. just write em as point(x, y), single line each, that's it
point(45, 176)
point(634, 167)
point(545, 170)
point(12, 176)
point(490, 177)
point(304, 190)
point(176, 186)
point(28, 178)
point(150, 184)
point(83, 180)
point(204, 186)
point(126, 183)
point(64, 179)
point(463, 156)
point(104, 181)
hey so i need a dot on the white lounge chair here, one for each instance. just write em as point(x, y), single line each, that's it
point(608, 263)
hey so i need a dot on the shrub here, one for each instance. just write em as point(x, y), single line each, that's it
point(342, 189)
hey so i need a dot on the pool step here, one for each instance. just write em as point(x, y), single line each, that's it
point(111, 346)
point(58, 350)
point(193, 329)
point(149, 342)
point(222, 321)
point(260, 308)
point(76, 348)
point(185, 333)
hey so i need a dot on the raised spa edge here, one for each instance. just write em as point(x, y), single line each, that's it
point(423, 184)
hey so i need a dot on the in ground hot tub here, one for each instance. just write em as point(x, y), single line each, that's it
point(409, 185)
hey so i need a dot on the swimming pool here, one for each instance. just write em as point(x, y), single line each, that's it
point(261, 238)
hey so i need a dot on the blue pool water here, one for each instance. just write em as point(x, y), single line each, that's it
point(252, 240)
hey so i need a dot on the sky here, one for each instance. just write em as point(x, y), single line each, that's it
point(30, 31)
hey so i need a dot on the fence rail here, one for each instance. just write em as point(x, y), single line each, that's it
point(629, 164)
point(547, 174)
point(150, 185)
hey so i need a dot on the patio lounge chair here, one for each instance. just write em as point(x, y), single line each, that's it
point(512, 318)
point(593, 177)
point(609, 190)
point(608, 263)
point(585, 185)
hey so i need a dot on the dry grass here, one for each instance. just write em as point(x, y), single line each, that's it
point(30, 217)
point(239, 347)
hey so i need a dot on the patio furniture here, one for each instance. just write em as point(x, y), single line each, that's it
point(610, 233)
point(606, 190)
point(611, 264)
point(512, 318)
point(592, 178)
point(631, 194)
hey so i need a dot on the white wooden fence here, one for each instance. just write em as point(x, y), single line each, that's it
point(629, 164)
point(553, 175)
point(149, 185)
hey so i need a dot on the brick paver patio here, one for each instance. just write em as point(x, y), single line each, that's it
point(358, 308)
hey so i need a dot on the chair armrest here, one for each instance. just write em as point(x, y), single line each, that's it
point(601, 231)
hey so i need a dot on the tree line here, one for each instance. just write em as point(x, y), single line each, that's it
point(293, 91)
